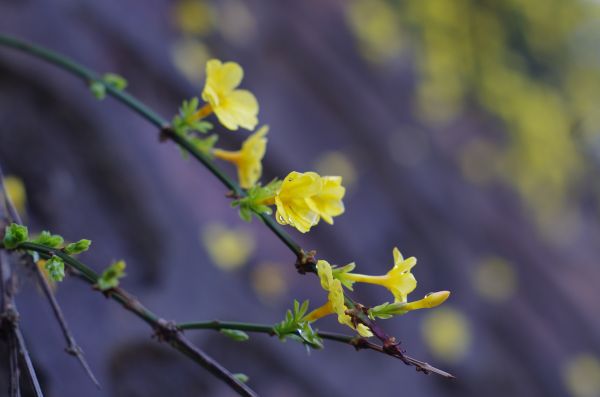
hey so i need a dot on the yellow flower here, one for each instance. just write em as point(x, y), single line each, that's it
point(304, 198)
point(292, 200)
point(399, 280)
point(328, 202)
point(248, 158)
point(335, 300)
point(234, 108)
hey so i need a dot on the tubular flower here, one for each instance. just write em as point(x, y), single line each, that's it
point(335, 303)
point(399, 280)
point(304, 198)
point(248, 158)
point(234, 108)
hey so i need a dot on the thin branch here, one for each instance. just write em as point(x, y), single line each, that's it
point(356, 341)
point(164, 330)
point(305, 261)
point(72, 346)
point(9, 319)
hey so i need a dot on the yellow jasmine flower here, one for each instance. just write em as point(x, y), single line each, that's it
point(335, 300)
point(399, 280)
point(328, 202)
point(304, 198)
point(292, 203)
point(233, 107)
point(248, 158)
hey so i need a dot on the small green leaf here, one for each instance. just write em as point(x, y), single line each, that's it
point(56, 268)
point(110, 277)
point(98, 89)
point(236, 335)
point(48, 239)
point(14, 235)
point(205, 145)
point(78, 247)
point(116, 81)
point(241, 377)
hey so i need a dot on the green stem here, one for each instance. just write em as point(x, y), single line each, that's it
point(133, 103)
point(260, 328)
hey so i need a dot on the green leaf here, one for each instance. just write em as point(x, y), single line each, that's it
point(295, 327)
point(48, 239)
point(98, 89)
point(252, 204)
point(236, 335)
point(241, 377)
point(387, 310)
point(56, 268)
point(185, 122)
point(110, 277)
point(78, 247)
point(118, 82)
point(205, 145)
point(14, 235)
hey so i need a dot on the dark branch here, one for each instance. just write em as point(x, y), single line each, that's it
point(72, 346)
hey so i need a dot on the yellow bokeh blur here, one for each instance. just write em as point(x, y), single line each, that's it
point(337, 163)
point(229, 248)
point(15, 188)
point(495, 279)
point(269, 281)
point(447, 334)
point(194, 17)
point(189, 57)
point(581, 375)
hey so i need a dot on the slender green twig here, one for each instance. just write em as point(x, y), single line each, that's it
point(306, 263)
point(163, 329)
point(356, 341)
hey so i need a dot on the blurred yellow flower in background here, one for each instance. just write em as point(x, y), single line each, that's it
point(15, 188)
point(337, 163)
point(196, 17)
point(269, 281)
point(229, 248)
point(495, 279)
point(249, 158)
point(447, 334)
point(581, 375)
point(189, 56)
point(233, 107)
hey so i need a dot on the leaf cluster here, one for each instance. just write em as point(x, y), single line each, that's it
point(295, 327)
point(254, 202)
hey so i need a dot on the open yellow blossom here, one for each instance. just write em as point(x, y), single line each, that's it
point(249, 158)
point(335, 300)
point(304, 198)
point(328, 202)
point(292, 200)
point(233, 107)
point(399, 280)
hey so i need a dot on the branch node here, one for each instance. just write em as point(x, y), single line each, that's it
point(306, 262)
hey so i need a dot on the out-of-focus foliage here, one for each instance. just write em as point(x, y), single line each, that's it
point(532, 65)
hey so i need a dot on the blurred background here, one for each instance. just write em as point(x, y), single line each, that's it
point(467, 133)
